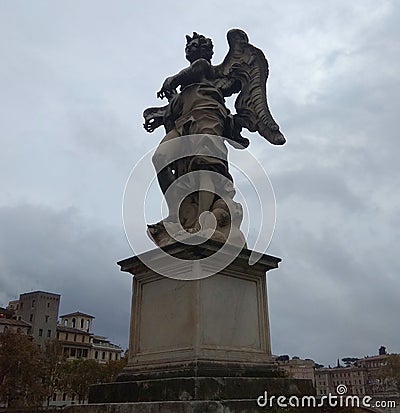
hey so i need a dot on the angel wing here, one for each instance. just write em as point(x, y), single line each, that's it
point(245, 69)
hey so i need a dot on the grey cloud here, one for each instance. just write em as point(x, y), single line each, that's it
point(62, 252)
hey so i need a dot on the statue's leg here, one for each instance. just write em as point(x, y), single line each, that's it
point(210, 124)
point(162, 160)
point(165, 174)
point(206, 194)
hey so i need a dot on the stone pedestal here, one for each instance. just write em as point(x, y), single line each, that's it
point(222, 318)
point(198, 339)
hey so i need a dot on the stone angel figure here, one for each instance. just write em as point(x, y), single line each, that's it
point(191, 160)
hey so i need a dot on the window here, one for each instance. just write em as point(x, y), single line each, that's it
point(46, 318)
point(33, 303)
point(66, 337)
point(87, 325)
point(82, 321)
point(48, 305)
point(79, 353)
point(58, 335)
point(49, 333)
point(110, 356)
point(83, 338)
point(73, 352)
point(64, 397)
point(74, 337)
point(31, 317)
point(66, 322)
point(40, 332)
point(96, 354)
point(84, 353)
point(54, 397)
point(103, 356)
point(73, 323)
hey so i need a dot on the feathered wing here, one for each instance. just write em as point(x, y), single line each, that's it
point(245, 69)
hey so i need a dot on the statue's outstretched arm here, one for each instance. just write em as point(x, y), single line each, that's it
point(194, 73)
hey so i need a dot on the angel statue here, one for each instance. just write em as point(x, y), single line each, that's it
point(191, 161)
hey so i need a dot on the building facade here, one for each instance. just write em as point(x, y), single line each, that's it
point(40, 310)
point(353, 377)
point(36, 314)
point(75, 334)
point(9, 323)
point(363, 377)
point(297, 368)
point(375, 383)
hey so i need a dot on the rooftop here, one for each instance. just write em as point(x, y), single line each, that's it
point(77, 314)
point(39, 292)
point(11, 322)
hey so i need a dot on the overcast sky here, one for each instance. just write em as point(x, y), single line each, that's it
point(74, 80)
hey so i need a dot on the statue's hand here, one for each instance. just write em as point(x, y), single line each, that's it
point(167, 91)
point(152, 124)
point(153, 118)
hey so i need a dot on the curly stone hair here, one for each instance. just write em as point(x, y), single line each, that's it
point(205, 44)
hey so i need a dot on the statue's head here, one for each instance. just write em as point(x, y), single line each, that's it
point(198, 47)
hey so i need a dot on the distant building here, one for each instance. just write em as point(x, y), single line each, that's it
point(364, 377)
point(78, 320)
point(8, 323)
point(353, 377)
point(103, 350)
point(40, 310)
point(36, 314)
point(297, 368)
point(375, 383)
point(75, 334)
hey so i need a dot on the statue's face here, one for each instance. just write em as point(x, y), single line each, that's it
point(197, 50)
point(193, 50)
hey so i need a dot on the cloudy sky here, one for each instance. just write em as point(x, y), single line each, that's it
point(74, 80)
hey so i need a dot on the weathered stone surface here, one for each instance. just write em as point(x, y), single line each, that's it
point(197, 388)
point(226, 406)
point(198, 110)
point(189, 323)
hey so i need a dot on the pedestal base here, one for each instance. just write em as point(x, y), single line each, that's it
point(180, 315)
point(200, 389)
point(197, 344)
point(226, 406)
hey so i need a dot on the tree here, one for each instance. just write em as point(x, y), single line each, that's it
point(389, 374)
point(77, 375)
point(350, 361)
point(112, 368)
point(20, 370)
point(52, 359)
